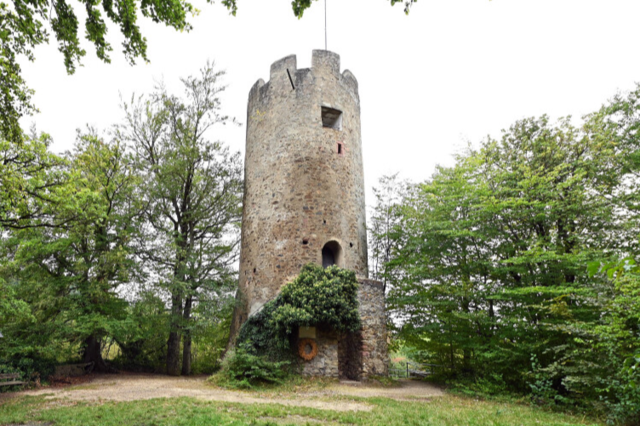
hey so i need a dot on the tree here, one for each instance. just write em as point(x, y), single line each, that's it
point(29, 177)
point(299, 6)
point(27, 24)
point(69, 269)
point(489, 266)
point(193, 196)
point(390, 194)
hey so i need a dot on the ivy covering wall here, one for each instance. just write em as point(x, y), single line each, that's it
point(317, 297)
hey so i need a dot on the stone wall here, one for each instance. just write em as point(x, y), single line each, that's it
point(366, 350)
point(375, 358)
point(304, 183)
point(326, 362)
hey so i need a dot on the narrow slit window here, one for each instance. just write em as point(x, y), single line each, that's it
point(331, 118)
point(340, 149)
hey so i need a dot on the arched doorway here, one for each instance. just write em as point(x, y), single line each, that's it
point(331, 254)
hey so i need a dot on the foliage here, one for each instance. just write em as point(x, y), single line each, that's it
point(142, 342)
point(30, 176)
point(27, 24)
point(192, 196)
point(241, 369)
point(616, 342)
point(68, 270)
point(88, 250)
point(210, 331)
point(488, 267)
point(318, 296)
point(325, 297)
point(384, 218)
point(20, 357)
point(299, 6)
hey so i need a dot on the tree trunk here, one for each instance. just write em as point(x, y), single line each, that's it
point(186, 338)
point(173, 344)
point(93, 353)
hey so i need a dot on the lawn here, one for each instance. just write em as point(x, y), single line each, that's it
point(449, 410)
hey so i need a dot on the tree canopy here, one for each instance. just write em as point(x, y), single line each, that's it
point(128, 241)
point(492, 264)
point(24, 25)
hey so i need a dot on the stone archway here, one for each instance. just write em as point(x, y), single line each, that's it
point(331, 254)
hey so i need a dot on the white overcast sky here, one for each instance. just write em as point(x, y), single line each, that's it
point(451, 72)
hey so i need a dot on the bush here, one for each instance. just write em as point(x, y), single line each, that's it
point(317, 297)
point(243, 370)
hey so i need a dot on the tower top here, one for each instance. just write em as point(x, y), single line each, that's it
point(285, 71)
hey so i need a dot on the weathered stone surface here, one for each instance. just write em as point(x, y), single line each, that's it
point(326, 362)
point(304, 188)
point(375, 359)
point(336, 354)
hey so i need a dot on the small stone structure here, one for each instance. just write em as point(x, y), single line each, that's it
point(304, 203)
point(355, 355)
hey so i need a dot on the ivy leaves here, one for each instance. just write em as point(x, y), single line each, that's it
point(317, 297)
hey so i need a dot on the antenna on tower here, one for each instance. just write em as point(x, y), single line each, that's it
point(325, 24)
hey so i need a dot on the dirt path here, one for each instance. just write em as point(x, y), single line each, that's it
point(133, 387)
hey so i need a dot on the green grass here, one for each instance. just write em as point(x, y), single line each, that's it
point(448, 410)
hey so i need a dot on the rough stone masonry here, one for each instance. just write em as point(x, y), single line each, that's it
point(304, 203)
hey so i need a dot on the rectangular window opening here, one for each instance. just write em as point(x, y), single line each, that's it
point(339, 148)
point(331, 118)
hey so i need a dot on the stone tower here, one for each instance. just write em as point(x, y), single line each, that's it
point(304, 184)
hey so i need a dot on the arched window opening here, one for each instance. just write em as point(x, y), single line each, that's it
point(331, 253)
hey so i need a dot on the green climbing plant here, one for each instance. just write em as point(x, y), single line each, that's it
point(316, 297)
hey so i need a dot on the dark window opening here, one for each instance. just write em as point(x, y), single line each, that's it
point(350, 244)
point(305, 241)
point(339, 148)
point(254, 270)
point(331, 253)
point(331, 118)
point(350, 356)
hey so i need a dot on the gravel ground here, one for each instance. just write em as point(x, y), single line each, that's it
point(131, 387)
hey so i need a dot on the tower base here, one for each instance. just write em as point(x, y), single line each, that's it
point(359, 355)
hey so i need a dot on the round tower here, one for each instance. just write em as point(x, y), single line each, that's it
point(304, 183)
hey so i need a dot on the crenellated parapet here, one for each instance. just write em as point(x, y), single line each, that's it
point(323, 62)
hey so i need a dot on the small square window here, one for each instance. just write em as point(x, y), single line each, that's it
point(331, 118)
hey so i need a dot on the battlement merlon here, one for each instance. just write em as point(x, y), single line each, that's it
point(321, 60)
point(325, 59)
point(279, 69)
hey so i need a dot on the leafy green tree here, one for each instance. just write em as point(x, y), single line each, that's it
point(69, 272)
point(192, 192)
point(489, 264)
point(24, 25)
point(390, 195)
point(614, 342)
point(29, 178)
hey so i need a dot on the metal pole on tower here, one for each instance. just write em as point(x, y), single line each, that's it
point(325, 24)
